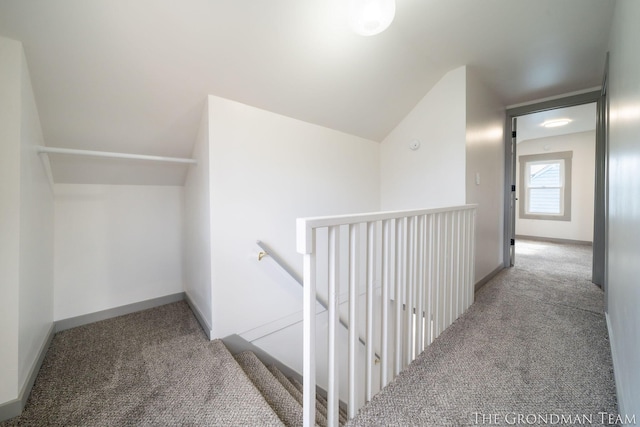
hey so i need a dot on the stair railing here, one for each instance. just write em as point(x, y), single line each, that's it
point(267, 251)
point(424, 260)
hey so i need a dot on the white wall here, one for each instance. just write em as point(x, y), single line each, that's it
point(433, 175)
point(580, 228)
point(459, 124)
point(10, 88)
point(267, 170)
point(485, 172)
point(115, 245)
point(197, 226)
point(26, 227)
point(36, 237)
point(623, 293)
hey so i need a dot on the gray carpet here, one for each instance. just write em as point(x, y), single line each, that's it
point(282, 402)
point(321, 411)
point(154, 367)
point(533, 344)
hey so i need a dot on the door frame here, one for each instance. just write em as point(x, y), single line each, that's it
point(601, 199)
point(510, 163)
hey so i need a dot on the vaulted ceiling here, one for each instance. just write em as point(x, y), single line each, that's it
point(132, 76)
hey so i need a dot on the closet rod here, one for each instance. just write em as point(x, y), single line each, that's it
point(91, 153)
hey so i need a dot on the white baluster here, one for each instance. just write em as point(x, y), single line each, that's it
point(472, 261)
point(371, 268)
point(437, 284)
point(397, 356)
point(354, 271)
point(455, 301)
point(420, 285)
point(386, 253)
point(333, 312)
point(430, 275)
point(309, 339)
point(409, 287)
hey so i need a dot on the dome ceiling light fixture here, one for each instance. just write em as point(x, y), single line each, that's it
point(370, 17)
point(556, 123)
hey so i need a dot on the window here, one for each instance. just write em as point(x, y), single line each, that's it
point(545, 186)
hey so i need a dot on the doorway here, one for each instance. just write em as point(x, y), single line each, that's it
point(514, 207)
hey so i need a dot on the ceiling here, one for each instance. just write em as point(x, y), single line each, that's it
point(132, 76)
point(583, 119)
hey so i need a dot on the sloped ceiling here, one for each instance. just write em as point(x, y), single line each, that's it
point(132, 76)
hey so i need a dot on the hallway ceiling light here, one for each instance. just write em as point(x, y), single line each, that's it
point(370, 17)
point(556, 123)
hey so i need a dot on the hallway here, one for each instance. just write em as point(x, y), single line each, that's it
point(533, 347)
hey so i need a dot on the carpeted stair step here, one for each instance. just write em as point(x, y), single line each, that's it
point(342, 414)
point(321, 411)
point(233, 389)
point(281, 401)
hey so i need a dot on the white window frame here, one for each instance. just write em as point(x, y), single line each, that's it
point(564, 159)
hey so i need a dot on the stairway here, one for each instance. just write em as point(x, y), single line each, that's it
point(283, 394)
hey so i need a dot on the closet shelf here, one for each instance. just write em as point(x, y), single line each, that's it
point(90, 153)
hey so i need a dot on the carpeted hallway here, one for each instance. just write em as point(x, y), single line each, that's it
point(532, 350)
point(534, 342)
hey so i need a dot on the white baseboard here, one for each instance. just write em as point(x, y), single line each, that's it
point(206, 327)
point(480, 283)
point(616, 375)
point(14, 407)
point(85, 319)
point(10, 409)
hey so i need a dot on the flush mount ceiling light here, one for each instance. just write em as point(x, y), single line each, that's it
point(370, 17)
point(556, 123)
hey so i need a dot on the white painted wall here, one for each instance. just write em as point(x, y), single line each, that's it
point(623, 293)
point(266, 171)
point(583, 146)
point(197, 226)
point(459, 124)
point(433, 175)
point(485, 172)
point(36, 237)
point(10, 88)
point(115, 245)
point(26, 227)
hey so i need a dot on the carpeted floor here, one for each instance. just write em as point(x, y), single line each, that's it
point(151, 368)
point(532, 349)
point(533, 344)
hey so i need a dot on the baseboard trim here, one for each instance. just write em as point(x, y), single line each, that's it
point(10, 409)
point(86, 319)
point(616, 376)
point(14, 408)
point(206, 327)
point(554, 240)
point(480, 283)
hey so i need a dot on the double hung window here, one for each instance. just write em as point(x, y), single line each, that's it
point(545, 186)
